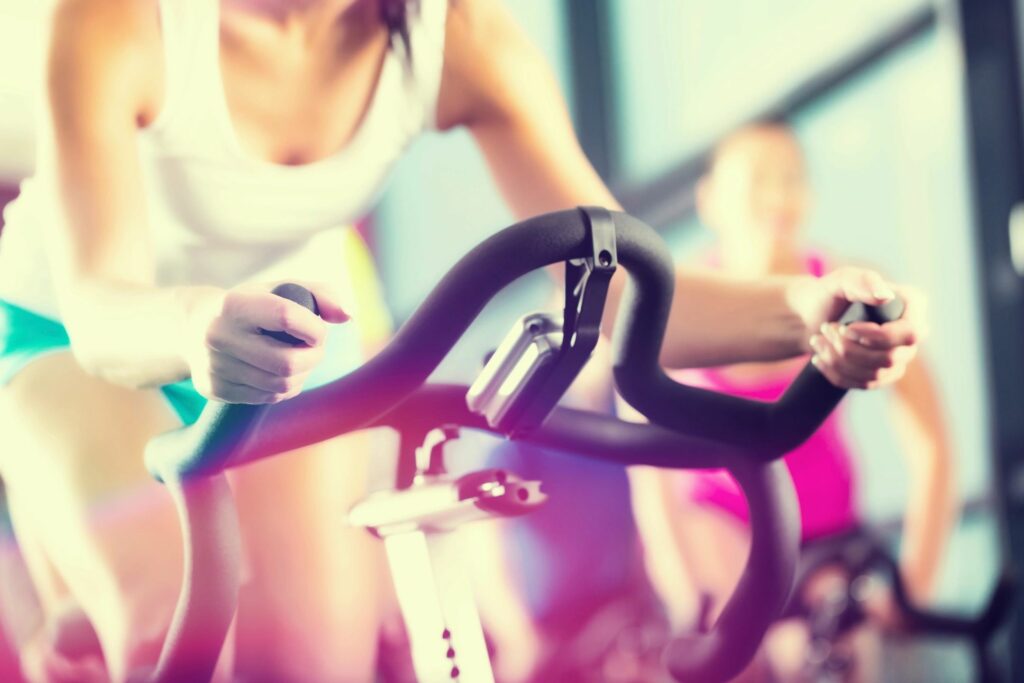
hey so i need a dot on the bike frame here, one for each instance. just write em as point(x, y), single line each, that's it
point(420, 529)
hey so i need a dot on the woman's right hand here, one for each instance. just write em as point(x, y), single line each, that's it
point(230, 357)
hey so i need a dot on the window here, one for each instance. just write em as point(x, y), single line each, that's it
point(688, 70)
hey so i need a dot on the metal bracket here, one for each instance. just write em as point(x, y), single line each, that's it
point(586, 282)
point(586, 290)
point(541, 356)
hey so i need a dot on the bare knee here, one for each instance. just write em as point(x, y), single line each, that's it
point(68, 648)
point(72, 449)
point(310, 607)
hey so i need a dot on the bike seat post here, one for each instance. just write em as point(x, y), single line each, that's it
point(419, 526)
point(438, 605)
point(451, 602)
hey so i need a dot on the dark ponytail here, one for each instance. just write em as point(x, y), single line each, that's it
point(395, 15)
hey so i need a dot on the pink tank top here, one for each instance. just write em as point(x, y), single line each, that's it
point(822, 468)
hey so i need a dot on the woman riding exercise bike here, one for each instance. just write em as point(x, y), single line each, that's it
point(756, 197)
point(516, 396)
point(191, 150)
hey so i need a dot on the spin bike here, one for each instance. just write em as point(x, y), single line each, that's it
point(860, 557)
point(515, 397)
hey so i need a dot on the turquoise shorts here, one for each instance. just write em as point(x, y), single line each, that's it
point(25, 336)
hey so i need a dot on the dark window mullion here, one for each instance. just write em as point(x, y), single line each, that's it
point(588, 23)
point(992, 91)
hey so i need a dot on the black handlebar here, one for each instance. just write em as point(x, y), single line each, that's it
point(691, 427)
point(759, 430)
point(762, 430)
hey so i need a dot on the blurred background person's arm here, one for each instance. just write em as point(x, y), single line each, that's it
point(932, 505)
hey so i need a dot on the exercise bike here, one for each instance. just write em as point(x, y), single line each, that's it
point(860, 557)
point(516, 397)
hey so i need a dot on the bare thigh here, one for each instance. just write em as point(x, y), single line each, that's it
point(310, 605)
point(105, 536)
point(96, 527)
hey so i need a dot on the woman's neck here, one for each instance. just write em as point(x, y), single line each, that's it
point(302, 27)
point(309, 12)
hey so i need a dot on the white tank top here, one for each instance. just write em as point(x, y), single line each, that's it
point(218, 216)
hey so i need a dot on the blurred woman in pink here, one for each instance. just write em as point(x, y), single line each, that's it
point(755, 196)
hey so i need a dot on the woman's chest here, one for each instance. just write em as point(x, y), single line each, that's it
point(292, 106)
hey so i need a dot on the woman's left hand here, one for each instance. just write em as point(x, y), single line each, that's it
point(862, 355)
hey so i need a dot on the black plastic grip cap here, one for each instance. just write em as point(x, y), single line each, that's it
point(299, 295)
point(883, 313)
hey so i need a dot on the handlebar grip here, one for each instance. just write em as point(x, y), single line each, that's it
point(208, 445)
point(811, 397)
point(299, 295)
point(883, 313)
point(887, 312)
point(762, 430)
point(209, 525)
point(822, 392)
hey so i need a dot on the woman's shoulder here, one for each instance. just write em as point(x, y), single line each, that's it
point(117, 23)
point(105, 44)
point(485, 51)
point(104, 36)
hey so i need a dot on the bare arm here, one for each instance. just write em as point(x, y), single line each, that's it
point(123, 327)
point(497, 84)
point(931, 503)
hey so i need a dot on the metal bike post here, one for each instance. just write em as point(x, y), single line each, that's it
point(438, 606)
